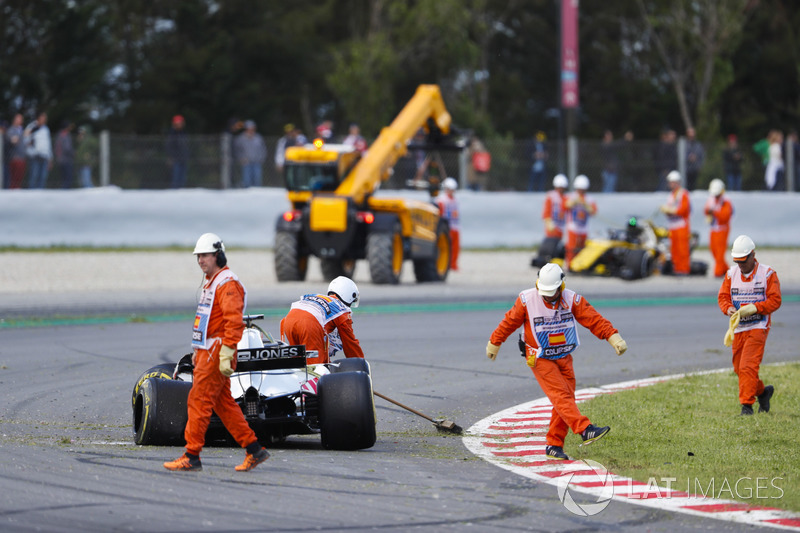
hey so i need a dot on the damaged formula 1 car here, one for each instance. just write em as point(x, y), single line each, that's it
point(634, 252)
point(279, 393)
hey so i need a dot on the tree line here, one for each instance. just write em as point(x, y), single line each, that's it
point(720, 66)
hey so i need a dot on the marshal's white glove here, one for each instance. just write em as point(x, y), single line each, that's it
point(491, 350)
point(226, 354)
point(618, 343)
point(747, 310)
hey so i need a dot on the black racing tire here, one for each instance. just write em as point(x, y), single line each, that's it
point(333, 268)
point(437, 267)
point(551, 248)
point(290, 264)
point(346, 411)
point(638, 264)
point(159, 412)
point(351, 364)
point(698, 268)
point(385, 256)
point(160, 371)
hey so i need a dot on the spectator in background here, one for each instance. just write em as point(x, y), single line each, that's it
point(539, 165)
point(629, 162)
point(732, 164)
point(289, 139)
point(795, 146)
point(355, 139)
point(17, 152)
point(178, 152)
point(283, 143)
point(325, 131)
point(235, 127)
point(480, 163)
point(86, 154)
point(40, 152)
point(609, 151)
point(762, 149)
point(251, 152)
point(774, 176)
point(695, 156)
point(65, 154)
point(4, 125)
point(666, 157)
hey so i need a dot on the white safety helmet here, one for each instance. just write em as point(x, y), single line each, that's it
point(345, 289)
point(208, 243)
point(674, 175)
point(742, 247)
point(560, 181)
point(716, 187)
point(551, 278)
point(581, 183)
point(449, 184)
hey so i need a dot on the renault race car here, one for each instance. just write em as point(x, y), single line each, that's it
point(634, 252)
point(279, 393)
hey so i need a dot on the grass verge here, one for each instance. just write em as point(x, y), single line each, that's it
point(689, 430)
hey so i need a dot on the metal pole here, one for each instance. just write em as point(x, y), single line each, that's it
point(572, 157)
point(225, 160)
point(105, 158)
point(788, 170)
point(682, 159)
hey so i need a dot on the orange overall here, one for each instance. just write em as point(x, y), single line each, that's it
point(579, 209)
point(211, 390)
point(555, 376)
point(448, 209)
point(748, 344)
point(719, 209)
point(680, 231)
point(555, 211)
point(302, 327)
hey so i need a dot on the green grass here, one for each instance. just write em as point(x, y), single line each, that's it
point(690, 430)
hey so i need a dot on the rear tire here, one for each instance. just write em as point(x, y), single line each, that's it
point(346, 411)
point(333, 268)
point(351, 364)
point(159, 412)
point(385, 256)
point(161, 371)
point(698, 268)
point(638, 264)
point(551, 248)
point(290, 265)
point(437, 267)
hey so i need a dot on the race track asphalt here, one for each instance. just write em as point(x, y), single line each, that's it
point(67, 462)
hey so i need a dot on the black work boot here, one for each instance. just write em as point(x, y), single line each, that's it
point(555, 452)
point(592, 433)
point(747, 409)
point(764, 397)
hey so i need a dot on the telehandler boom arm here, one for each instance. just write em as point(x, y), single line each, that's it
point(390, 145)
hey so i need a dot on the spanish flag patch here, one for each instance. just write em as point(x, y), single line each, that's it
point(557, 338)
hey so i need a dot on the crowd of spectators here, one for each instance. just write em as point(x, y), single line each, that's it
point(35, 157)
point(31, 153)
